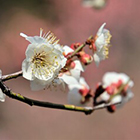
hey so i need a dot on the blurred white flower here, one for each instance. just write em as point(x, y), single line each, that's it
point(2, 95)
point(101, 45)
point(114, 77)
point(77, 91)
point(112, 81)
point(44, 60)
point(97, 4)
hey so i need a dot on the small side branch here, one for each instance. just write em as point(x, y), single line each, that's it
point(79, 49)
point(31, 102)
point(11, 76)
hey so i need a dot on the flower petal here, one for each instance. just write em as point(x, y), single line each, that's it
point(27, 70)
point(78, 65)
point(100, 42)
point(67, 50)
point(37, 85)
point(74, 97)
point(101, 29)
point(69, 80)
point(83, 82)
point(0, 73)
point(75, 73)
point(2, 96)
point(96, 59)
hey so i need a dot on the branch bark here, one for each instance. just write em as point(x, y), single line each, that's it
point(31, 102)
point(11, 76)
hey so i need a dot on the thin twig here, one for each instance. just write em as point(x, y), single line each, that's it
point(78, 49)
point(11, 76)
point(31, 102)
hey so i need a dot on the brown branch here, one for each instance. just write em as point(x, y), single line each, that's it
point(31, 102)
point(11, 76)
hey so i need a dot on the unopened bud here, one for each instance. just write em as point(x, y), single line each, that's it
point(86, 59)
point(75, 45)
point(72, 65)
point(111, 108)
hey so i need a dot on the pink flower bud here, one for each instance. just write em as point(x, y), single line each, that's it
point(75, 45)
point(86, 59)
point(72, 65)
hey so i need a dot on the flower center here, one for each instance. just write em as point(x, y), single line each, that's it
point(107, 45)
point(44, 63)
point(108, 37)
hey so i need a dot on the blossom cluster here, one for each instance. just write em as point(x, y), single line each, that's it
point(51, 65)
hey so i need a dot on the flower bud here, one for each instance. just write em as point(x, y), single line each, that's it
point(86, 59)
point(75, 45)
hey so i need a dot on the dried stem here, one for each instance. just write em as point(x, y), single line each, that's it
point(31, 102)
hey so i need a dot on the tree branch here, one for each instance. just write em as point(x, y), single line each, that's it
point(11, 76)
point(31, 102)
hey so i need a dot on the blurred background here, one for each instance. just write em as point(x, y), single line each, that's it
point(70, 22)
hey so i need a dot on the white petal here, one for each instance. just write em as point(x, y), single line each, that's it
point(69, 80)
point(105, 96)
point(59, 47)
point(0, 73)
point(75, 73)
point(96, 59)
point(113, 77)
point(75, 98)
point(38, 85)
point(101, 29)
point(125, 79)
point(83, 82)
point(35, 39)
point(41, 75)
point(116, 99)
point(63, 62)
point(2, 96)
point(67, 50)
point(100, 42)
point(109, 78)
point(27, 70)
point(129, 96)
point(23, 35)
point(30, 52)
point(78, 65)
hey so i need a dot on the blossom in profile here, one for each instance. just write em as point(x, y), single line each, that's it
point(101, 44)
point(2, 95)
point(79, 91)
point(44, 59)
point(117, 88)
point(97, 4)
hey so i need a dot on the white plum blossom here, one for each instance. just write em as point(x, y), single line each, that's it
point(101, 44)
point(97, 4)
point(2, 95)
point(112, 81)
point(44, 59)
point(77, 91)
